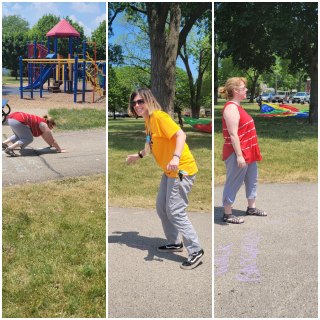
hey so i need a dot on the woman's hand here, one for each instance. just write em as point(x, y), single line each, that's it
point(241, 162)
point(132, 158)
point(173, 165)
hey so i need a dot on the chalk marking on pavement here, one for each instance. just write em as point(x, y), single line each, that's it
point(221, 260)
point(249, 253)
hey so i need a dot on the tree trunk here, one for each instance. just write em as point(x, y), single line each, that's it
point(216, 80)
point(164, 50)
point(196, 111)
point(313, 108)
point(253, 88)
point(185, 60)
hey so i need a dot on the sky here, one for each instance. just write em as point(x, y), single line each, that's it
point(124, 34)
point(86, 14)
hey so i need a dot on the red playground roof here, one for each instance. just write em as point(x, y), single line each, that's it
point(63, 29)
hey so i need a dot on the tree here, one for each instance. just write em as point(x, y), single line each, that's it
point(182, 98)
point(299, 22)
point(246, 41)
point(168, 27)
point(99, 36)
point(13, 46)
point(45, 23)
point(14, 30)
point(14, 24)
point(286, 30)
point(201, 50)
point(118, 95)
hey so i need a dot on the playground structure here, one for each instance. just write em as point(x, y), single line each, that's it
point(42, 65)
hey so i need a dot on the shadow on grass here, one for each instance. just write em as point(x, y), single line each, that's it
point(130, 135)
point(132, 239)
point(218, 215)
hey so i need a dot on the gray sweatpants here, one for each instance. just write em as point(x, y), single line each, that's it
point(236, 177)
point(172, 202)
point(22, 133)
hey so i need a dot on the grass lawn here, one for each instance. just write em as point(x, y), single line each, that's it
point(289, 148)
point(78, 119)
point(7, 80)
point(54, 249)
point(137, 185)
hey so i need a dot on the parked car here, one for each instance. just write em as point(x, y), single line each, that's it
point(281, 96)
point(265, 96)
point(301, 97)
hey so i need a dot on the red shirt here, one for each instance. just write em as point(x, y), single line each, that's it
point(29, 120)
point(247, 136)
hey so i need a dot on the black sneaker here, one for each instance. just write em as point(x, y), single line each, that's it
point(171, 248)
point(193, 260)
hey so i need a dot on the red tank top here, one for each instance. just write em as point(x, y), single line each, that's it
point(29, 120)
point(247, 136)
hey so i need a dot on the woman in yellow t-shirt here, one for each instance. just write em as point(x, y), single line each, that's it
point(166, 141)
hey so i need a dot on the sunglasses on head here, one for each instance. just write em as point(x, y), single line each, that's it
point(138, 102)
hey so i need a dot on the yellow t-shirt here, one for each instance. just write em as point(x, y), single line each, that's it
point(163, 130)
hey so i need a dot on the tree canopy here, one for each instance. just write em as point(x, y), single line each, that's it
point(167, 26)
point(256, 34)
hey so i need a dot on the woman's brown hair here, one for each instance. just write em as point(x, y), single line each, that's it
point(149, 100)
point(49, 120)
point(231, 84)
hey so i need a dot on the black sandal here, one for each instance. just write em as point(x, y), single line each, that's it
point(10, 152)
point(230, 218)
point(4, 146)
point(256, 212)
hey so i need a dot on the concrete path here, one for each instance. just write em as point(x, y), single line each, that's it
point(267, 267)
point(86, 155)
point(144, 283)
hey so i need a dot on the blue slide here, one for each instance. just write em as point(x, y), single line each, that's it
point(46, 73)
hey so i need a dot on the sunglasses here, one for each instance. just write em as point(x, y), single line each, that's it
point(138, 102)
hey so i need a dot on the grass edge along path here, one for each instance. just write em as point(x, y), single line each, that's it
point(54, 249)
point(78, 119)
point(289, 148)
point(137, 185)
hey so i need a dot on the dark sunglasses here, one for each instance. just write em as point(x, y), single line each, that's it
point(139, 102)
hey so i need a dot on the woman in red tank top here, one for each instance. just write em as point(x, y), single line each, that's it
point(25, 126)
point(240, 150)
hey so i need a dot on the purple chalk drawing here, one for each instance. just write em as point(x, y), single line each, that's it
point(221, 259)
point(248, 260)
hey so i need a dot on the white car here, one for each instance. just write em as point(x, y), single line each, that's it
point(301, 97)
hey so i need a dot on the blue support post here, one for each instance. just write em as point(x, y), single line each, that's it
point(75, 87)
point(65, 76)
point(21, 77)
point(55, 45)
point(34, 49)
point(33, 69)
point(29, 73)
point(71, 47)
point(41, 84)
point(84, 72)
point(105, 75)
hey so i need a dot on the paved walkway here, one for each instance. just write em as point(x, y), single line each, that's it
point(267, 267)
point(144, 283)
point(86, 156)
